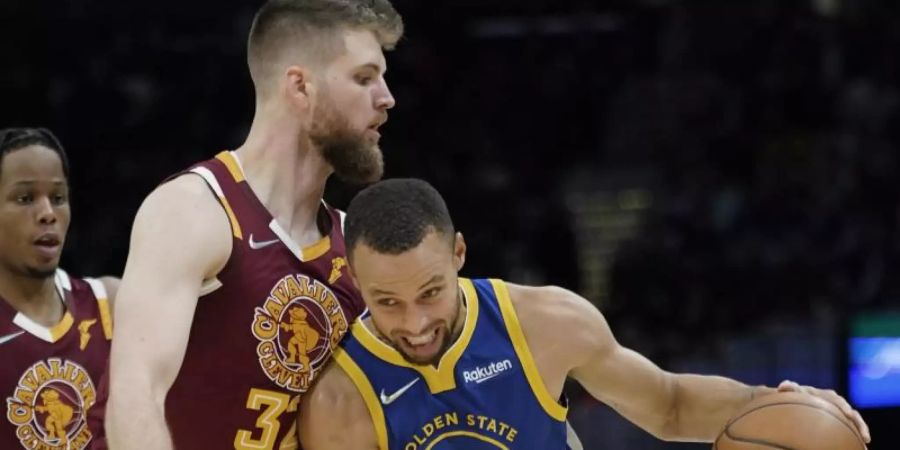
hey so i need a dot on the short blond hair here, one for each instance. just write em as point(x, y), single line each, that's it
point(313, 26)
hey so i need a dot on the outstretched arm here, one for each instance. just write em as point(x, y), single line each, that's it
point(678, 407)
point(333, 415)
point(180, 237)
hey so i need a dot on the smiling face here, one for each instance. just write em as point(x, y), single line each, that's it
point(413, 296)
point(34, 211)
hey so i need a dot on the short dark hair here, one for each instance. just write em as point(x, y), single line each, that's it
point(12, 139)
point(302, 21)
point(395, 215)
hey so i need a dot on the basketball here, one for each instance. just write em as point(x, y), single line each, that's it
point(789, 421)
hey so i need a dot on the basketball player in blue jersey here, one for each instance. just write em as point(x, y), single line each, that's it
point(235, 289)
point(447, 363)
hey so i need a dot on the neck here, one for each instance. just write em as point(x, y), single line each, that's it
point(287, 173)
point(460, 316)
point(36, 298)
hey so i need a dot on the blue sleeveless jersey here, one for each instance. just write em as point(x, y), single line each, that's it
point(485, 394)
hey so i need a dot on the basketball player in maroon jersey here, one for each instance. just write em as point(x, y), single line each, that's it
point(235, 290)
point(54, 329)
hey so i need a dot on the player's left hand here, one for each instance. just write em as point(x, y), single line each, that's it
point(833, 397)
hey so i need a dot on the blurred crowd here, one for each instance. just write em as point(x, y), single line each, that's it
point(769, 129)
point(774, 143)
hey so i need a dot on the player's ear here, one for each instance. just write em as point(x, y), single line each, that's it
point(459, 251)
point(298, 86)
point(352, 274)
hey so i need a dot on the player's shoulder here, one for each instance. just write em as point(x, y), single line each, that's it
point(102, 287)
point(182, 216)
point(81, 288)
point(185, 202)
point(333, 387)
point(559, 317)
point(186, 191)
point(548, 301)
point(333, 398)
point(334, 410)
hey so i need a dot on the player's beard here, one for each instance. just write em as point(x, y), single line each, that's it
point(353, 158)
point(446, 342)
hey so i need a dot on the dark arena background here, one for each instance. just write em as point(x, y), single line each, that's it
point(719, 177)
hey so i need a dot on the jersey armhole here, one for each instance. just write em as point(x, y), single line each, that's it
point(216, 189)
point(520, 345)
point(102, 305)
point(367, 392)
point(212, 284)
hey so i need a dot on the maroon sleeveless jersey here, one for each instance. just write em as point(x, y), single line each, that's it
point(49, 376)
point(263, 328)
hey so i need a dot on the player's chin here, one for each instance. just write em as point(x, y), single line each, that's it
point(421, 359)
point(45, 270)
point(425, 354)
point(365, 172)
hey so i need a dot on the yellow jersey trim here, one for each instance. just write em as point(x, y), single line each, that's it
point(470, 434)
point(105, 318)
point(235, 226)
point(439, 379)
point(59, 330)
point(550, 406)
point(316, 250)
point(367, 392)
point(102, 297)
point(232, 164)
point(213, 183)
point(235, 170)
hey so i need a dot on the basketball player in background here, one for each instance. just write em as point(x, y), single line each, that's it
point(451, 363)
point(54, 329)
point(235, 290)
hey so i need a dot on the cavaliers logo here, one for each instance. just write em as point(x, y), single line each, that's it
point(336, 265)
point(299, 324)
point(50, 405)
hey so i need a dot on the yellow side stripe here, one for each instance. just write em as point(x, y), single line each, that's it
point(235, 226)
point(105, 318)
point(550, 405)
point(368, 394)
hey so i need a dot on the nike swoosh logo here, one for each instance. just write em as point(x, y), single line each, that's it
point(482, 380)
point(258, 245)
point(388, 399)
point(10, 337)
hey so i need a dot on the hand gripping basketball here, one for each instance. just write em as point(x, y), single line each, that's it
point(838, 401)
point(796, 418)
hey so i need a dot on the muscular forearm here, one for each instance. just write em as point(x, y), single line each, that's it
point(135, 421)
point(702, 405)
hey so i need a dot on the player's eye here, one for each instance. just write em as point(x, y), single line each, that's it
point(58, 199)
point(24, 199)
point(387, 302)
point(431, 292)
point(364, 79)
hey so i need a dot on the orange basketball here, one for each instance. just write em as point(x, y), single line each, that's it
point(789, 421)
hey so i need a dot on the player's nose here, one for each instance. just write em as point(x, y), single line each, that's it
point(46, 214)
point(415, 321)
point(384, 100)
